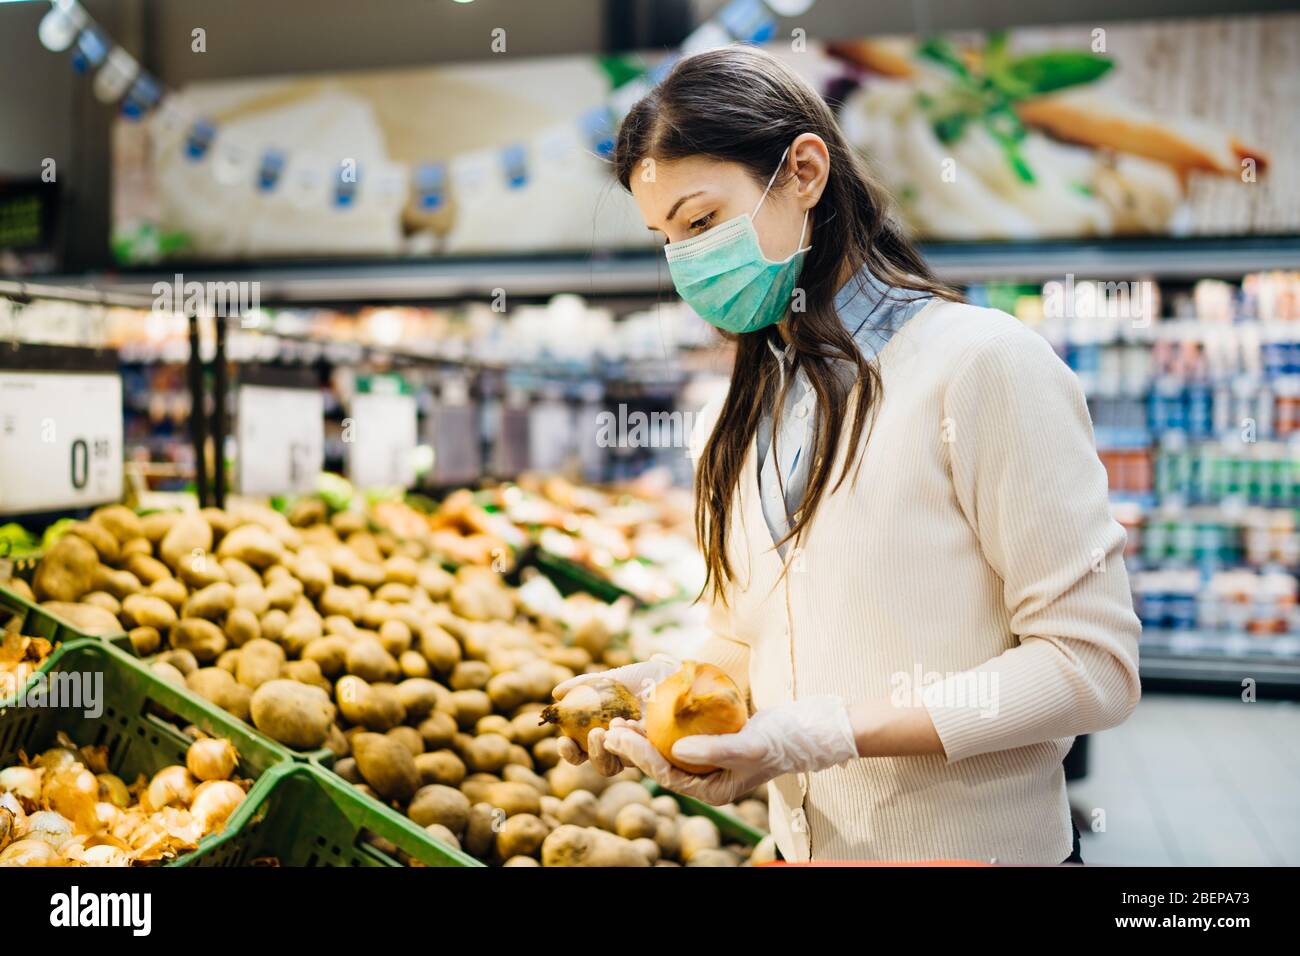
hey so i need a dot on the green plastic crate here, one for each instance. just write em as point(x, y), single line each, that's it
point(139, 739)
point(37, 622)
point(301, 815)
point(733, 829)
point(569, 576)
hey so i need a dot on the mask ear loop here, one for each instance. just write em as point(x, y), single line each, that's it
point(776, 172)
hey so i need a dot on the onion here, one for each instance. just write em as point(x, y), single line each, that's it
point(23, 782)
point(28, 852)
point(170, 785)
point(105, 854)
point(211, 759)
point(589, 706)
point(49, 827)
point(72, 790)
point(698, 699)
point(214, 802)
point(112, 789)
point(11, 805)
point(57, 757)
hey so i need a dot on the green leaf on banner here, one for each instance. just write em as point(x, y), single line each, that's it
point(1039, 73)
point(621, 68)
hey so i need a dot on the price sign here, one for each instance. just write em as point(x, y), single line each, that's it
point(380, 436)
point(60, 440)
point(281, 435)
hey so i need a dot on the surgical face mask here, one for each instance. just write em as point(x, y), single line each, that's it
point(724, 276)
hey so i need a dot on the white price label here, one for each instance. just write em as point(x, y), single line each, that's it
point(381, 440)
point(60, 440)
point(281, 435)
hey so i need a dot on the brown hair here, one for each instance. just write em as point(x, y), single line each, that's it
point(741, 105)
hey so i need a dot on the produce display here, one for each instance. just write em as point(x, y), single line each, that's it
point(20, 656)
point(64, 808)
point(426, 688)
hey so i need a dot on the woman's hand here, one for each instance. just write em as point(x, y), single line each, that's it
point(802, 736)
point(640, 679)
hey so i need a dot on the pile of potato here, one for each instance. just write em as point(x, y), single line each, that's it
point(426, 684)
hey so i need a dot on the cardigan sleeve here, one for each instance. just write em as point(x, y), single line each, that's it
point(1026, 474)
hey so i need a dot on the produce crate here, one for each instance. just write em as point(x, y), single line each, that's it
point(139, 739)
point(569, 576)
point(733, 829)
point(301, 815)
point(37, 622)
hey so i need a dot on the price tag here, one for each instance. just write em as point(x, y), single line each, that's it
point(281, 435)
point(60, 440)
point(380, 439)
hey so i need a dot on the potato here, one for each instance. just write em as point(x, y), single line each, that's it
point(436, 803)
point(488, 753)
point(414, 665)
point(667, 836)
point(713, 857)
point(367, 659)
point(439, 648)
point(409, 738)
point(187, 543)
point(98, 598)
point(437, 729)
point(618, 795)
point(211, 603)
point(239, 574)
point(546, 753)
point(214, 684)
point(507, 691)
point(295, 714)
point(242, 626)
point(443, 835)
point(648, 848)
point(145, 640)
point(283, 594)
point(470, 675)
point(308, 672)
point(514, 773)
point(753, 812)
point(252, 598)
point(183, 661)
point(697, 834)
point(481, 829)
point(347, 769)
point(170, 590)
point(376, 707)
point(202, 638)
point(569, 845)
point(401, 570)
point(155, 526)
point(200, 571)
point(86, 618)
point(314, 574)
point(636, 820)
point(374, 614)
point(471, 706)
point(440, 766)
point(120, 521)
point(335, 739)
point(143, 610)
point(521, 835)
point(528, 728)
point(147, 568)
point(273, 625)
point(98, 537)
point(494, 724)
point(253, 545)
point(418, 696)
point(168, 673)
point(298, 634)
point(395, 636)
point(136, 546)
point(329, 653)
point(120, 584)
point(565, 778)
point(578, 808)
point(520, 757)
point(387, 766)
point(219, 520)
point(512, 798)
point(259, 661)
point(395, 595)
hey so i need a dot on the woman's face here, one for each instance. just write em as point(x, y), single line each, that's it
point(683, 198)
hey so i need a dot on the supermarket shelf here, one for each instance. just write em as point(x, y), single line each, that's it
point(647, 274)
point(1193, 657)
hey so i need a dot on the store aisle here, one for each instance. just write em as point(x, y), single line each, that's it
point(1196, 781)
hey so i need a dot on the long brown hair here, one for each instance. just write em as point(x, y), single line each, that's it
point(741, 105)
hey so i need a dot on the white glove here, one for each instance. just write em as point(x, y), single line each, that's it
point(639, 678)
point(803, 736)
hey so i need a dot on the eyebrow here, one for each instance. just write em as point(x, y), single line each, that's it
point(678, 205)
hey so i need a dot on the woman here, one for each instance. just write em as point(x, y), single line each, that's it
point(912, 565)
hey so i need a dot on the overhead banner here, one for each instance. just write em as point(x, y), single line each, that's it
point(1169, 128)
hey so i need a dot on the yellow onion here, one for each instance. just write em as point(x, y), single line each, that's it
point(698, 699)
point(106, 815)
point(72, 790)
point(104, 854)
point(211, 759)
point(214, 802)
point(170, 785)
point(11, 806)
point(23, 782)
point(591, 705)
point(56, 757)
point(112, 789)
point(49, 827)
point(28, 852)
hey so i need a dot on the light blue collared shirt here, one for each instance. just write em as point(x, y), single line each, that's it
point(871, 312)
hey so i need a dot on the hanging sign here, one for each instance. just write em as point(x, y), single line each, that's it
point(380, 434)
point(280, 428)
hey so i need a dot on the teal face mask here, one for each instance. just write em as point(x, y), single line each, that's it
point(724, 276)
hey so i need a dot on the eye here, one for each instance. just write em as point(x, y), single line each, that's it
point(704, 222)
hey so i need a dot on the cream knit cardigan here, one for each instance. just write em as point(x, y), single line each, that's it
point(972, 568)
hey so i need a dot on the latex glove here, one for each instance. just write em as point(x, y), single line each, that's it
point(639, 678)
point(802, 736)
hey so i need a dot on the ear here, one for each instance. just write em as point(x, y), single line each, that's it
point(810, 164)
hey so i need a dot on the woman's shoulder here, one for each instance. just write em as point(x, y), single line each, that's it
point(948, 337)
